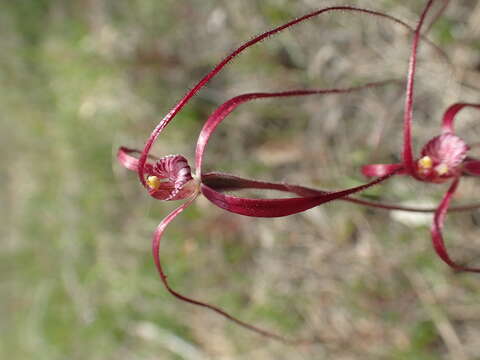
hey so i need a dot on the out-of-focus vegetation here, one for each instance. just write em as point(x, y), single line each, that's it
point(79, 78)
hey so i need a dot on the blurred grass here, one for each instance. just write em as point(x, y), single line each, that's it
point(80, 78)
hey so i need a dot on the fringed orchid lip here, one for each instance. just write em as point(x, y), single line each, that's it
point(442, 158)
point(171, 179)
point(167, 178)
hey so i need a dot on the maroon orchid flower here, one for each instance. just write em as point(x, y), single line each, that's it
point(444, 158)
point(170, 178)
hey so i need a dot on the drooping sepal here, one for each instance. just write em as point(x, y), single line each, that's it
point(156, 241)
point(437, 227)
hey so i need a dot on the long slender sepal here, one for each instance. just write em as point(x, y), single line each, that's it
point(409, 95)
point(437, 227)
point(278, 207)
point(227, 182)
point(157, 237)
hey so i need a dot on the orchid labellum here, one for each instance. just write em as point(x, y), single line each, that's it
point(444, 158)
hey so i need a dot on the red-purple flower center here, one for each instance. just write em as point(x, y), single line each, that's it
point(170, 178)
point(441, 158)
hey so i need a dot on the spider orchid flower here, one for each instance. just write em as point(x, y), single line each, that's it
point(170, 178)
point(444, 157)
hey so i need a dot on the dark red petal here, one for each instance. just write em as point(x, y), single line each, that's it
point(278, 207)
point(437, 226)
point(227, 182)
point(226, 108)
point(472, 167)
point(451, 112)
point(157, 237)
point(374, 170)
point(174, 111)
point(408, 159)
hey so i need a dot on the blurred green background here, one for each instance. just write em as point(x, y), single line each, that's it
point(80, 78)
